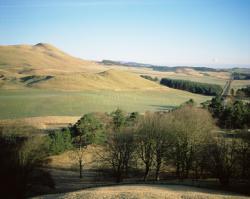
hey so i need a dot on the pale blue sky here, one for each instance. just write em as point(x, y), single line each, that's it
point(167, 32)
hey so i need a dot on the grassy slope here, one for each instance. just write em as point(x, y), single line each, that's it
point(187, 74)
point(37, 102)
point(66, 72)
point(80, 86)
point(107, 80)
point(146, 192)
point(41, 58)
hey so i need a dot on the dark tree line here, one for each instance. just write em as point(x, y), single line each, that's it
point(235, 115)
point(241, 76)
point(194, 87)
point(243, 92)
point(155, 79)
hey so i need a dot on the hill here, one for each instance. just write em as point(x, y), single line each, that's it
point(42, 59)
point(158, 67)
point(46, 67)
point(108, 80)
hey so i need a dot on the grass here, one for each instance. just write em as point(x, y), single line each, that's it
point(22, 58)
point(202, 79)
point(37, 102)
point(146, 192)
point(219, 78)
point(237, 84)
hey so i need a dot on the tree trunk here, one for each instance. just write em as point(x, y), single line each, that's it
point(119, 174)
point(158, 166)
point(146, 172)
point(178, 169)
point(80, 168)
point(224, 180)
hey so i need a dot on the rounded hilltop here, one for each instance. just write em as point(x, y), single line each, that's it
point(44, 45)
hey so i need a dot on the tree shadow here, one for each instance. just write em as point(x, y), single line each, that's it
point(163, 107)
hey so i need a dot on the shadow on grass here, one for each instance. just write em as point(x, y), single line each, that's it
point(68, 181)
point(163, 107)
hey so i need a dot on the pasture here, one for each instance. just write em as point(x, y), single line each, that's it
point(38, 102)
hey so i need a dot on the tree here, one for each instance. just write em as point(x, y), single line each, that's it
point(60, 140)
point(119, 151)
point(192, 127)
point(222, 154)
point(21, 157)
point(194, 87)
point(232, 92)
point(133, 118)
point(238, 114)
point(145, 141)
point(243, 154)
point(78, 156)
point(86, 130)
point(232, 116)
point(164, 140)
point(119, 119)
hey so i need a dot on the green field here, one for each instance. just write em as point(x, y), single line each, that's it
point(31, 102)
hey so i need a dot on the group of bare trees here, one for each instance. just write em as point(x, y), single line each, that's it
point(22, 155)
point(185, 140)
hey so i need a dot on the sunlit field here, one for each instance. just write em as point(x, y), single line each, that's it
point(30, 103)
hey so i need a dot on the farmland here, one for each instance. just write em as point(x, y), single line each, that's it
point(33, 102)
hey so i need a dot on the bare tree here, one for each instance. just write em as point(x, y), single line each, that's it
point(146, 142)
point(164, 140)
point(78, 156)
point(192, 127)
point(222, 156)
point(119, 151)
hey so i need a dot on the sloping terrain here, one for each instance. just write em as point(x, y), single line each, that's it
point(40, 102)
point(108, 80)
point(44, 66)
point(42, 59)
point(41, 80)
point(145, 192)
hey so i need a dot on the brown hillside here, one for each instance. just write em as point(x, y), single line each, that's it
point(42, 59)
point(44, 66)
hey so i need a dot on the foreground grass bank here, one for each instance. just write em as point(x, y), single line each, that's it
point(144, 192)
point(32, 102)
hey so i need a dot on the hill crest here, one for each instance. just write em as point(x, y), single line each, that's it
point(44, 66)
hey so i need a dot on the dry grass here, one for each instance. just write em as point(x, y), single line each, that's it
point(237, 84)
point(42, 59)
point(69, 73)
point(219, 78)
point(66, 161)
point(45, 122)
point(145, 192)
point(108, 80)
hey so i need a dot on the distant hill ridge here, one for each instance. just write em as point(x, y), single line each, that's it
point(160, 68)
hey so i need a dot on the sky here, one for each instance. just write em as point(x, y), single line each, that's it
point(165, 32)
